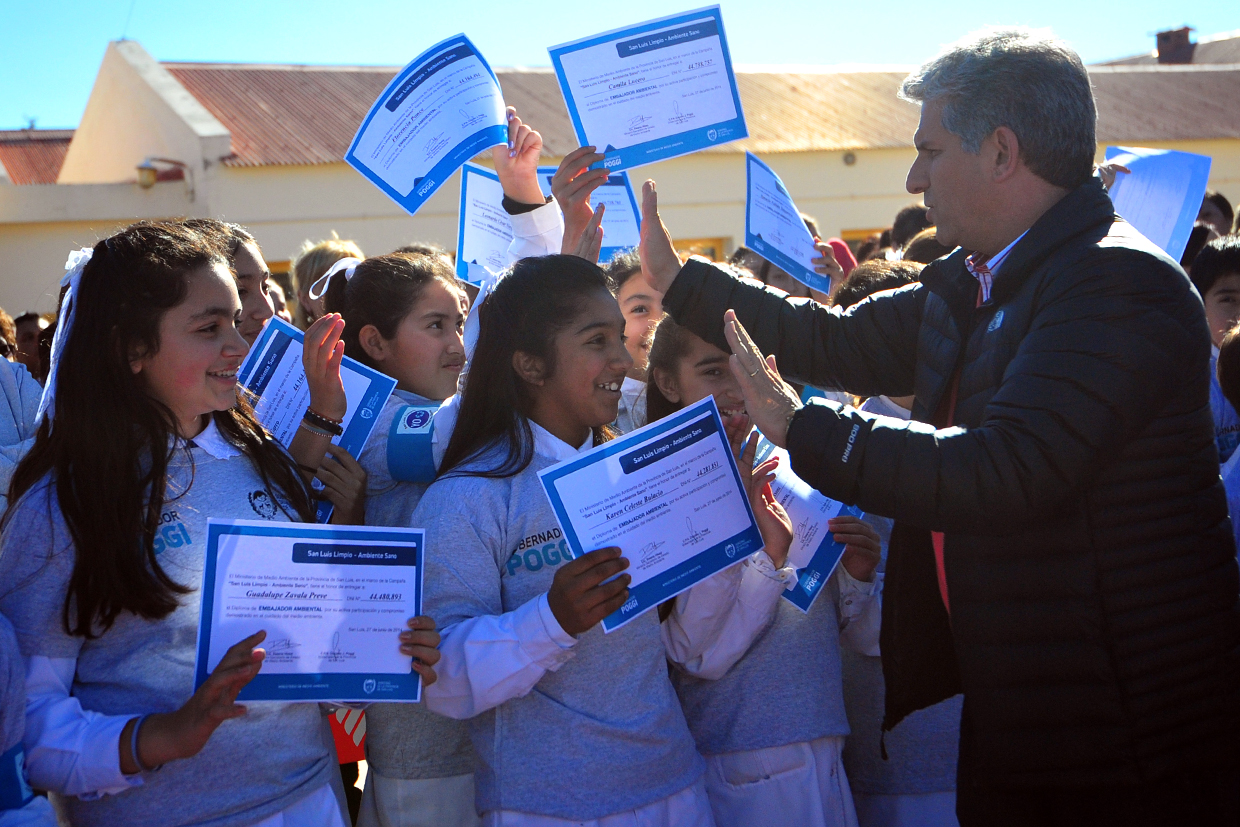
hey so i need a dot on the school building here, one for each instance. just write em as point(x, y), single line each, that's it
point(262, 145)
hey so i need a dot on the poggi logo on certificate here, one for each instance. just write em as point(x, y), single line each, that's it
point(668, 495)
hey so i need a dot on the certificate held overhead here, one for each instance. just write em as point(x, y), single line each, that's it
point(1161, 194)
point(774, 229)
point(668, 495)
point(653, 91)
point(622, 222)
point(441, 110)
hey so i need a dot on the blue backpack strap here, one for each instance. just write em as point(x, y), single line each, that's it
point(409, 454)
point(15, 792)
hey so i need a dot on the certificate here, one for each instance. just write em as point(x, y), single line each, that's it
point(653, 91)
point(773, 226)
point(814, 552)
point(274, 376)
point(332, 599)
point(1162, 195)
point(668, 495)
point(622, 221)
point(438, 112)
point(485, 231)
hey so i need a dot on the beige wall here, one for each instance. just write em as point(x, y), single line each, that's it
point(701, 196)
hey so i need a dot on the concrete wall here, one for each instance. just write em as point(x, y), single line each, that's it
point(138, 110)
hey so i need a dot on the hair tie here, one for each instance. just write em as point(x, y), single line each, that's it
point(319, 288)
point(74, 266)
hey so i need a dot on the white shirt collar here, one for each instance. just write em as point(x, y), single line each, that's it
point(213, 442)
point(548, 445)
point(997, 260)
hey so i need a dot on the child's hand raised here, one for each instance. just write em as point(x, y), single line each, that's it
point(572, 185)
point(590, 244)
point(579, 598)
point(773, 521)
point(517, 163)
point(321, 353)
point(660, 263)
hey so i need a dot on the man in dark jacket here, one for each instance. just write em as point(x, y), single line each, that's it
point(1062, 551)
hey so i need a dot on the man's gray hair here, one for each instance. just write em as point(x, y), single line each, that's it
point(1023, 79)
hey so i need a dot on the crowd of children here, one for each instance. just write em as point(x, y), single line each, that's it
point(728, 706)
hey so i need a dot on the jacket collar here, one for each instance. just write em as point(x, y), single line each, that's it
point(1085, 209)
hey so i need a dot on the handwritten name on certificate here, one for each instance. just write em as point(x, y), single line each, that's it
point(814, 553)
point(438, 112)
point(668, 495)
point(653, 91)
point(774, 229)
point(275, 377)
point(332, 599)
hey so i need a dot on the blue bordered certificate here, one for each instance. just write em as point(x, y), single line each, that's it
point(332, 599)
point(275, 377)
point(484, 233)
point(1161, 195)
point(622, 221)
point(438, 112)
point(668, 495)
point(814, 552)
point(653, 91)
point(773, 226)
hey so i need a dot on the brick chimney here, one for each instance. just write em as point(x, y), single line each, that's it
point(1174, 46)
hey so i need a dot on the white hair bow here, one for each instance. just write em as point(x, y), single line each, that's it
point(319, 288)
point(74, 266)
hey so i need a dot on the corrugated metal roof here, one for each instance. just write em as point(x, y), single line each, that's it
point(1166, 103)
point(34, 156)
point(308, 115)
point(1219, 48)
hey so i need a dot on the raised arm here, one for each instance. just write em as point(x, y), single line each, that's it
point(1105, 354)
point(868, 350)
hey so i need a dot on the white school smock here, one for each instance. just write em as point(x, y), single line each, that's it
point(81, 693)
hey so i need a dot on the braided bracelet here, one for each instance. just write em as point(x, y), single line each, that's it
point(319, 421)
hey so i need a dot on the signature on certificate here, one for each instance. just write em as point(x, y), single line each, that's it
point(694, 537)
point(282, 650)
point(335, 654)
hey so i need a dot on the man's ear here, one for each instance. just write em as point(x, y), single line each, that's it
point(373, 343)
point(1006, 153)
point(667, 385)
point(529, 367)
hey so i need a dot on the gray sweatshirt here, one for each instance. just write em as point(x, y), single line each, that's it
point(405, 740)
point(253, 766)
point(605, 732)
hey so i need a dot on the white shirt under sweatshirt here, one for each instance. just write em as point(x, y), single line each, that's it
point(509, 666)
point(81, 694)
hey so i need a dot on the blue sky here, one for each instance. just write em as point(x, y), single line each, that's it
point(52, 48)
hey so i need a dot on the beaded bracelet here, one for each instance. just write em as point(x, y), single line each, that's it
point(319, 421)
point(314, 429)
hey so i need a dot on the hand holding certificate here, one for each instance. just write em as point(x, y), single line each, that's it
point(274, 374)
point(668, 495)
point(653, 91)
point(332, 601)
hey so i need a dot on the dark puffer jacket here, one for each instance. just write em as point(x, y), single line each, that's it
point(1089, 558)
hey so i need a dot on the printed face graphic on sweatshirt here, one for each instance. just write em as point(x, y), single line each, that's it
point(262, 504)
point(543, 548)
